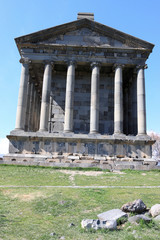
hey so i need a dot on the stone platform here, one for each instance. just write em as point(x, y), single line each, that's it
point(80, 150)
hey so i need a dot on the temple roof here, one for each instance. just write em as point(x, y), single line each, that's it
point(84, 32)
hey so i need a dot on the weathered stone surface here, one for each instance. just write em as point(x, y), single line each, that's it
point(98, 224)
point(157, 218)
point(137, 218)
point(136, 206)
point(155, 210)
point(114, 214)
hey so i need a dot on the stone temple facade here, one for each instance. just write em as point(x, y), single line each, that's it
point(81, 98)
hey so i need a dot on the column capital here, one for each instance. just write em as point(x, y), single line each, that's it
point(71, 62)
point(144, 66)
point(48, 62)
point(95, 64)
point(25, 61)
point(116, 65)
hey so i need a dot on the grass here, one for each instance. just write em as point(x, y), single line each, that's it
point(41, 176)
point(38, 213)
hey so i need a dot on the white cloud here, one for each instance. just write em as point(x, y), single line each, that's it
point(4, 145)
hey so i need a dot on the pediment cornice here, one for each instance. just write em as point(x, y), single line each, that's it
point(44, 35)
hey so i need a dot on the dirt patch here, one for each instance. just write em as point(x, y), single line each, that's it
point(118, 172)
point(86, 173)
point(23, 197)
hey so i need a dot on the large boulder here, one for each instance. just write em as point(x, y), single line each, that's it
point(137, 218)
point(155, 210)
point(98, 224)
point(136, 206)
point(114, 214)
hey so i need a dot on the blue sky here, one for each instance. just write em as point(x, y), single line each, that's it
point(139, 18)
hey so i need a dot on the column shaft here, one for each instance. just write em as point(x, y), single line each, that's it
point(118, 101)
point(45, 97)
point(68, 122)
point(141, 105)
point(22, 97)
point(28, 105)
point(94, 107)
point(30, 127)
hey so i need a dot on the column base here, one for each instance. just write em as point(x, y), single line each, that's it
point(68, 131)
point(143, 136)
point(119, 134)
point(43, 130)
point(93, 132)
point(16, 130)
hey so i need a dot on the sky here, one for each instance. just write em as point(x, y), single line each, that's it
point(140, 18)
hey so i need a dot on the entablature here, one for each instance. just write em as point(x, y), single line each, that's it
point(85, 57)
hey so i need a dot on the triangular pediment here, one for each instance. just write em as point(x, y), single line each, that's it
point(84, 32)
point(84, 37)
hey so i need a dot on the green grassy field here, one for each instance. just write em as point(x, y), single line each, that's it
point(36, 213)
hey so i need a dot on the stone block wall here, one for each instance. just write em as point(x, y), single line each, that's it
point(106, 104)
point(57, 107)
point(82, 102)
point(82, 95)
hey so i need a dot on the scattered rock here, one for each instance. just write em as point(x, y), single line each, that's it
point(87, 223)
point(155, 210)
point(62, 238)
point(62, 202)
point(114, 214)
point(112, 225)
point(71, 225)
point(98, 224)
point(134, 232)
point(137, 218)
point(52, 234)
point(147, 214)
point(136, 206)
point(157, 218)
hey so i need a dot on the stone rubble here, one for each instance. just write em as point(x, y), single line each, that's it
point(157, 218)
point(98, 224)
point(137, 218)
point(155, 210)
point(114, 214)
point(136, 206)
point(110, 219)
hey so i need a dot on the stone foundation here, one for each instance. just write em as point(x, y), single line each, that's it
point(80, 150)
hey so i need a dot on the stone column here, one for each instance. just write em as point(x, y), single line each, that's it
point(141, 104)
point(47, 77)
point(33, 109)
point(68, 121)
point(22, 97)
point(30, 127)
point(94, 107)
point(118, 100)
point(28, 106)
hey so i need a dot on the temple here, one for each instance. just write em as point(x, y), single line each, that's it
point(81, 98)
